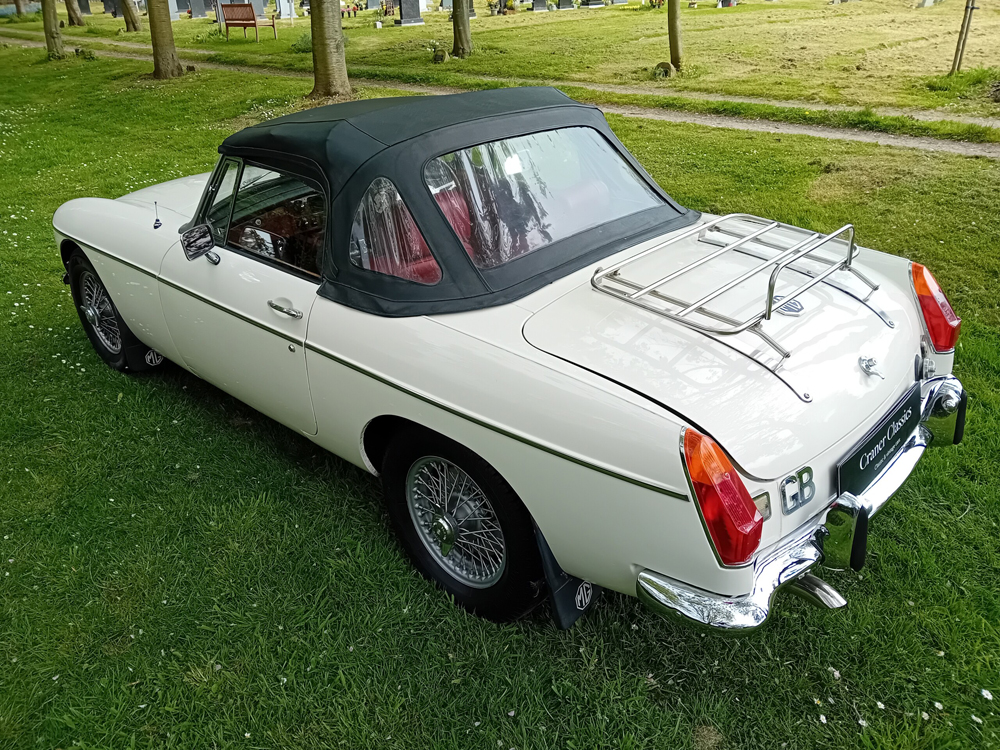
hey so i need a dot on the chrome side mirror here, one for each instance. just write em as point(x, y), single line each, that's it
point(199, 241)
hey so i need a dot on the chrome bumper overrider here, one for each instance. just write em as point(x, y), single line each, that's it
point(827, 539)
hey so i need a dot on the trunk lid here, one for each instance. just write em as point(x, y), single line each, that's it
point(771, 423)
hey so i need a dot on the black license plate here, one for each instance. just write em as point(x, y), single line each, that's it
point(873, 454)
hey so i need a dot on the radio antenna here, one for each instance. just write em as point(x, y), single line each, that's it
point(156, 212)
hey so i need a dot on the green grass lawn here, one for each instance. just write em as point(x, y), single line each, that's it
point(866, 53)
point(178, 571)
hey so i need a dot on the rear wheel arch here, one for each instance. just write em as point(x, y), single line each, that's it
point(376, 436)
point(379, 433)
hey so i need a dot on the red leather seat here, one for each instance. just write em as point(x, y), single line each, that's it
point(417, 263)
point(456, 210)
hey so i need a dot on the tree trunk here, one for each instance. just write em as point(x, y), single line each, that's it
point(133, 21)
point(462, 45)
point(674, 27)
point(963, 35)
point(20, 7)
point(165, 62)
point(73, 11)
point(329, 65)
point(50, 22)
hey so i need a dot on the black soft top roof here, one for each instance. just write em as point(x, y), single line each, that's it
point(343, 147)
point(339, 138)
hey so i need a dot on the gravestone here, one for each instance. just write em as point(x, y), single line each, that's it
point(258, 6)
point(619, 2)
point(539, 5)
point(183, 5)
point(565, 5)
point(446, 5)
point(591, 3)
point(175, 13)
point(84, 7)
point(108, 6)
point(409, 13)
point(286, 9)
point(472, 10)
point(198, 9)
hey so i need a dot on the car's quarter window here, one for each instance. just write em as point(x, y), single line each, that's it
point(217, 215)
point(280, 217)
point(385, 239)
point(510, 197)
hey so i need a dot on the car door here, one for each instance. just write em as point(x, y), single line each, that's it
point(238, 316)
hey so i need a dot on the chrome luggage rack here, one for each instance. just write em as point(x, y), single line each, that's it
point(651, 298)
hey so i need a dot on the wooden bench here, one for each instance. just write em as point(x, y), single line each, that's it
point(243, 15)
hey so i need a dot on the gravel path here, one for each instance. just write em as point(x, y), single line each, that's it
point(928, 115)
point(988, 150)
point(965, 148)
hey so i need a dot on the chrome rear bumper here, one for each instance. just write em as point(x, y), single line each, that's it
point(826, 539)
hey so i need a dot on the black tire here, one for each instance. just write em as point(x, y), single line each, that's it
point(123, 351)
point(520, 586)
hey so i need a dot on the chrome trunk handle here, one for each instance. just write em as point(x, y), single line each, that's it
point(290, 312)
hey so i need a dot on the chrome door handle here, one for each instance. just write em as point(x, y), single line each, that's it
point(290, 312)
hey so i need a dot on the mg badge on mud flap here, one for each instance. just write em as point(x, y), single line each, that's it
point(797, 490)
point(792, 308)
point(584, 593)
point(153, 358)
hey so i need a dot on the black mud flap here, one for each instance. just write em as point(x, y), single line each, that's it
point(572, 597)
point(140, 357)
point(960, 421)
point(859, 549)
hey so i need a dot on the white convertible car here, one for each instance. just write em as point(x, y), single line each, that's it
point(565, 379)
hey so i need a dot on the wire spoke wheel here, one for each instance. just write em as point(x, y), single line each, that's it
point(456, 522)
point(99, 312)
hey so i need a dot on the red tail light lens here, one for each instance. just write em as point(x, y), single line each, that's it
point(943, 324)
point(733, 521)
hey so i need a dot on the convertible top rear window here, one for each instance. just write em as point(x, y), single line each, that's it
point(510, 197)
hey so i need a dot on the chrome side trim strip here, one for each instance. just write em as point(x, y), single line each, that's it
point(106, 254)
point(172, 285)
point(426, 399)
point(234, 313)
point(495, 427)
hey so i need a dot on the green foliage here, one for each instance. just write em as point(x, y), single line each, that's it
point(863, 119)
point(26, 18)
point(967, 84)
point(303, 45)
point(216, 34)
point(863, 54)
point(178, 571)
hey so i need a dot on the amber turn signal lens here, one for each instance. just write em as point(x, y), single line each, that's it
point(732, 518)
point(943, 325)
